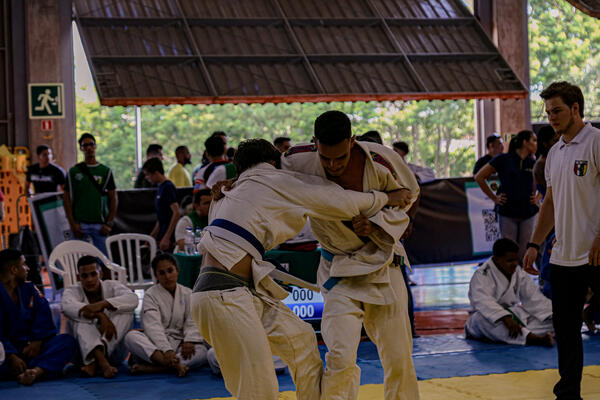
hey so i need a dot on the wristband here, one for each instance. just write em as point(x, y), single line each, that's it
point(533, 245)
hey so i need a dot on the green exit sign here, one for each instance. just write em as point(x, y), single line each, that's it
point(46, 100)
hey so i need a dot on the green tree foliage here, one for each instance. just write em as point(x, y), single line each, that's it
point(564, 44)
point(439, 133)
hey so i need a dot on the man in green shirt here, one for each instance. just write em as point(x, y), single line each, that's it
point(90, 200)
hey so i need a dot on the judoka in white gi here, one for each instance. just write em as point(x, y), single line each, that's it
point(235, 303)
point(99, 314)
point(170, 340)
point(359, 275)
point(506, 305)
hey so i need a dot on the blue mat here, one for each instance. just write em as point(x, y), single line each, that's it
point(440, 356)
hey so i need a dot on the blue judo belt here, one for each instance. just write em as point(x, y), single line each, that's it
point(331, 282)
point(241, 232)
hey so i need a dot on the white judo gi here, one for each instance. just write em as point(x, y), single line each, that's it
point(265, 207)
point(370, 289)
point(492, 297)
point(167, 324)
point(86, 331)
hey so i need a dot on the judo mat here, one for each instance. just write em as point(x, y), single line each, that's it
point(448, 366)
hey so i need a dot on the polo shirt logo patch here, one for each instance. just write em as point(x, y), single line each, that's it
point(580, 168)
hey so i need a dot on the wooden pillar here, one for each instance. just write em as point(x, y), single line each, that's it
point(505, 22)
point(49, 59)
point(513, 43)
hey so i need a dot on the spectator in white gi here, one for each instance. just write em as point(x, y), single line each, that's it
point(170, 341)
point(506, 305)
point(99, 314)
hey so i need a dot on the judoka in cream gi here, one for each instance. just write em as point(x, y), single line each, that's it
point(358, 274)
point(99, 314)
point(235, 303)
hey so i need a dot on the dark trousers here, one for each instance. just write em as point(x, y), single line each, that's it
point(569, 288)
point(55, 353)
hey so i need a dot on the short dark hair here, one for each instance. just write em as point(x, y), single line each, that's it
point(41, 148)
point(490, 140)
point(545, 136)
point(231, 152)
point(215, 146)
point(517, 141)
point(281, 140)
point(255, 151)
point(401, 146)
point(153, 165)
point(87, 260)
point(153, 148)
point(332, 127)
point(504, 246)
point(8, 258)
point(570, 94)
point(179, 149)
point(84, 136)
point(219, 133)
point(198, 195)
point(371, 136)
point(163, 256)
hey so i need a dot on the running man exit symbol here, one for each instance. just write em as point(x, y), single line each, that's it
point(46, 100)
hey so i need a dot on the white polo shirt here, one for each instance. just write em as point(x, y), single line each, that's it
point(573, 172)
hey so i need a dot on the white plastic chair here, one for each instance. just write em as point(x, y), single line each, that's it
point(69, 252)
point(130, 256)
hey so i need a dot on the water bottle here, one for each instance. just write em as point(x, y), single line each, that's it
point(189, 241)
point(197, 237)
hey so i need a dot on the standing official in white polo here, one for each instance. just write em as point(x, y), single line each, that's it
point(572, 207)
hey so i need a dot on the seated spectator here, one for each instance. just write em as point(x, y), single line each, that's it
point(153, 151)
point(99, 314)
point(506, 305)
point(177, 173)
point(282, 143)
point(45, 176)
point(28, 338)
point(218, 169)
point(165, 204)
point(422, 173)
point(198, 218)
point(170, 340)
point(494, 146)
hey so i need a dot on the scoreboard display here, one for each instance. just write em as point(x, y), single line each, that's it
point(305, 303)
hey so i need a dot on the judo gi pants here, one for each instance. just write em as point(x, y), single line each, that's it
point(388, 326)
point(245, 329)
point(479, 327)
point(89, 337)
point(55, 353)
point(142, 347)
point(569, 289)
